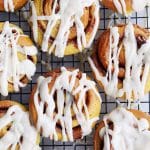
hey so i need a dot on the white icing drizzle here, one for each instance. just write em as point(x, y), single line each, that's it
point(69, 14)
point(137, 5)
point(65, 101)
point(11, 68)
point(8, 5)
point(20, 129)
point(128, 132)
point(135, 58)
point(121, 6)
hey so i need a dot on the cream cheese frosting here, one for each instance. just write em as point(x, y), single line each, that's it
point(11, 68)
point(64, 87)
point(135, 58)
point(21, 132)
point(127, 132)
point(70, 13)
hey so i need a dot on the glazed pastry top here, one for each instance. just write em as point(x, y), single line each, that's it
point(11, 67)
point(67, 99)
point(136, 5)
point(126, 131)
point(20, 132)
point(137, 64)
point(69, 14)
point(8, 5)
point(11, 5)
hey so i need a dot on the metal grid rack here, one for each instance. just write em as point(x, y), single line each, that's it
point(142, 18)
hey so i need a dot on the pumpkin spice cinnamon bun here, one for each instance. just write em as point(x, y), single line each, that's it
point(17, 58)
point(121, 62)
point(11, 5)
point(64, 105)
point(64, 27)
point(16, 131)
point(123, 129)
point(126, 7)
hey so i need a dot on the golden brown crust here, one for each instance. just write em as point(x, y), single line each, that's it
point(92, 101)
point(22, 41)
point(18, 4)
point(88, 20)
point(98, 142)
point(110, 4)
point(101, 56)
point(5, 104)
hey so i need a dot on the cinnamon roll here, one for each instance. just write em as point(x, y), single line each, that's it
point(121, 63)
point(17, 58)
point(126, 7)
point(64, 105)
point(64, 27)
point(16, 132)
point(11, 5)
point(123, 129)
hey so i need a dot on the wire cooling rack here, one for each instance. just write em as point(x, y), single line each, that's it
point(108, 104)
